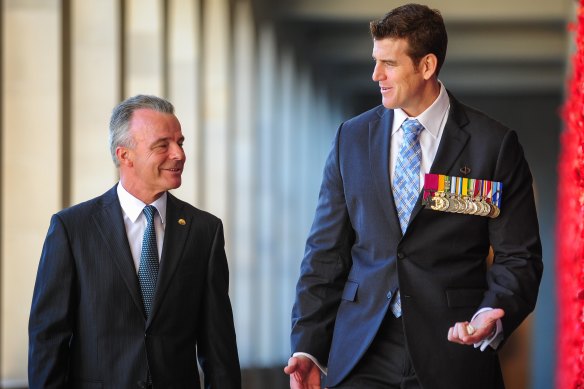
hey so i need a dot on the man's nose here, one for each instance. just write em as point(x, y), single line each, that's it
point(377, 73)
point(177, 152)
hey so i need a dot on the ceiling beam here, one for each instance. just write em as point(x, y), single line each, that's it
point(452, 10)
point(502, 44)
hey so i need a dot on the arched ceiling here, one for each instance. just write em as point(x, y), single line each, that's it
point(495, 46)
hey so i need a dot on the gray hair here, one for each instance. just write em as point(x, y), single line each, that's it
point(119, 134)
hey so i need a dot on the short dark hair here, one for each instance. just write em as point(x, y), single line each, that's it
point(421, 26)
point(119, 134)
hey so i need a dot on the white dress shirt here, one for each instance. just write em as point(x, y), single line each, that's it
point(135, 222)
point(434, 120)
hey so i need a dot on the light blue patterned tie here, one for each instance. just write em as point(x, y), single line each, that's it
point(406, 183)
point(148, 269)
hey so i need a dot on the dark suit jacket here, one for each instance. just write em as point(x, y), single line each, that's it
point(87, 325)
point(356, 255)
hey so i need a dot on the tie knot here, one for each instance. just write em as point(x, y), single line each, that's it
point(149, 211)
point(412, 126)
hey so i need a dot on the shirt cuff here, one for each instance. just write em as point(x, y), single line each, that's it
point(313, 359)
point(495, 339)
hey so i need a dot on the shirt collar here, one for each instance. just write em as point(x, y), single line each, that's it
point(431, 118)
point(133, 207)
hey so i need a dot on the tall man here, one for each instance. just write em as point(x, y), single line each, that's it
point(392, 274)
point(133, 284)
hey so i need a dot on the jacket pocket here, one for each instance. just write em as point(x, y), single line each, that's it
point(460, 298)
point(350, 291)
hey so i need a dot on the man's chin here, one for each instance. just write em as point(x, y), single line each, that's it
point(388, 104)
point(174, 184)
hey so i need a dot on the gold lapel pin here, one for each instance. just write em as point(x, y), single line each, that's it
point(182, 222)
point(465, 170)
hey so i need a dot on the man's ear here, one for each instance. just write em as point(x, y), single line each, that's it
point(124, 156)
point(428, 65)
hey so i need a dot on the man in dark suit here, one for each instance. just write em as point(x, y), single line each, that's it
point(126, 298)
point(395, 265)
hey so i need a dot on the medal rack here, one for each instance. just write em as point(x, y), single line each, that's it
point(463, 195)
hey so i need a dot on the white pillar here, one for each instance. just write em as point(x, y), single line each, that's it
point(184, 54)
point(216, 110)
point(31, 163)
point(144, 48)
point(95, 37)
point(311, 173)
point(287, 193)
point(268, 125)
point(243, 227)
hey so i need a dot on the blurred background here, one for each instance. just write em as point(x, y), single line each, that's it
point(260, 86)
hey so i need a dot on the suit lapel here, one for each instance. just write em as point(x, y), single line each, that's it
point(176, 232)
point(110, 224)
point(453, 141)
point(379, 148)
point(454, 138)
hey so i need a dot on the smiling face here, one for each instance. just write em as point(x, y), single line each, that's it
point(404, 84)
point(155, 163)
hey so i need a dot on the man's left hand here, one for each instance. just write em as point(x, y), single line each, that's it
point(482, 327)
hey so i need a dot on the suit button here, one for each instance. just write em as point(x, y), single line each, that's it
point(401, 255)
point(389, 295)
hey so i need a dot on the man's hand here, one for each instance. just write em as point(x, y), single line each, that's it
point(304, 374)
point(478, 330)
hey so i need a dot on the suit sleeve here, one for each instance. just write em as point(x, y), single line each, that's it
point(217, 347)
point(517, 268)
point(326, 264)
point(50, 323)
